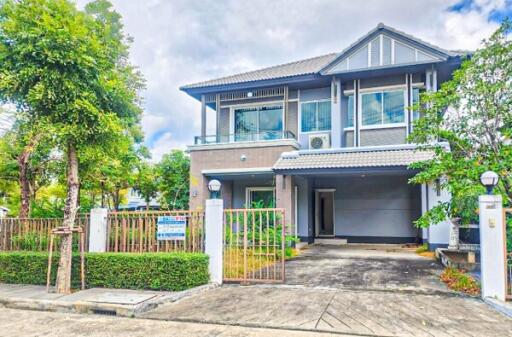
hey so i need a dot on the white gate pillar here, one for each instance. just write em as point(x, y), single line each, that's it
point(492, 247)
point(214, 240)
point(98, 230)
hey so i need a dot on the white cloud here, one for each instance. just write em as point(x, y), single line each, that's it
point(183, 41)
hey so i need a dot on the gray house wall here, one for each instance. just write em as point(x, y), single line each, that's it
point(375, 208)
point(311, 95)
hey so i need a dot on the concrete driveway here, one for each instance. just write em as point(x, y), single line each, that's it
point(376, 267)
point(391, 293)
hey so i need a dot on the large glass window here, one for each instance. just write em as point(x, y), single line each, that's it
point(385, 107)
point(316, 116)
point(350, 111)
point(258, 123)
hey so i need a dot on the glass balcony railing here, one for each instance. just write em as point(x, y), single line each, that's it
point(244, 137)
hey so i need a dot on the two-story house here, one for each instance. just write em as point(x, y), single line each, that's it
point(325, 138)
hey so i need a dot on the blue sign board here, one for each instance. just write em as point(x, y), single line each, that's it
point(171, 227)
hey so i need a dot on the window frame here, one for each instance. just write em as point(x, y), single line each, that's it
point(248, 190)
point(347, 94)
point(234, 107)
point(316, 120)
point(382, 90)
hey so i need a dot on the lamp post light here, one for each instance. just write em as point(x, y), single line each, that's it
point(489, 179)
point(214, 187)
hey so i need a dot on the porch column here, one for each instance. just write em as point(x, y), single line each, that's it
point(226, 192)
point(285, 199)
point(217, 116)
point(203, 117)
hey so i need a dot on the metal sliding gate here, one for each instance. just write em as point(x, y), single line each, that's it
point(507, 217)
point(254, 245)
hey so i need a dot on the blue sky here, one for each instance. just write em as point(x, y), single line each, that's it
point(183, 41)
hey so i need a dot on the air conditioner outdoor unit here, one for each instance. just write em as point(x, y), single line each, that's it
point(320, 141)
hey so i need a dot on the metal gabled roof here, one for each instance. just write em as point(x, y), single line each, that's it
point(308, 66)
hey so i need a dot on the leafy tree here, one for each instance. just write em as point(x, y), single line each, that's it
point(174, 176)
point(473, 114)
point(29, 159)
point(146, 182)
point(65, 71)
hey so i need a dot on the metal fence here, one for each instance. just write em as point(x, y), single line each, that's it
point(127, 232)
point(33, 234)
point(254, 245)
point(135, 232)
point(507, 216)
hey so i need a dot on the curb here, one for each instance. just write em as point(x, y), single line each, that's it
point(85, 307)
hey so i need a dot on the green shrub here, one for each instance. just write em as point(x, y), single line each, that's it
point(156, 271)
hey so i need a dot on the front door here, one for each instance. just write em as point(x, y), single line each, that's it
point(324, 212)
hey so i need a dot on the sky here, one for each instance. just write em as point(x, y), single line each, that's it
point(178, 42)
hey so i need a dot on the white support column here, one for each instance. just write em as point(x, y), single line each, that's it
point(98, 230)
point(214, 240)
point(492, 247)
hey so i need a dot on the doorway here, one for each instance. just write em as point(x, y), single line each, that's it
point(324, 213)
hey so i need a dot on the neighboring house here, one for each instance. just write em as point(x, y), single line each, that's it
point(325, 138)
point(136, 203)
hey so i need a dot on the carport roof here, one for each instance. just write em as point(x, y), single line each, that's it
point(352, 158)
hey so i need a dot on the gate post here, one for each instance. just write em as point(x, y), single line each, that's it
point(98, 230)
point(492, 247)
point(214, 238)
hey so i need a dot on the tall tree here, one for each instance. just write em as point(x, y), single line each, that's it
point(473, 113)
point(174, 177)
point(61, 67)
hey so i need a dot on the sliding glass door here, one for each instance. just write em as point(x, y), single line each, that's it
point(258, 123)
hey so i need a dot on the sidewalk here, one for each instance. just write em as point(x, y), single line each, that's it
point(115, 302)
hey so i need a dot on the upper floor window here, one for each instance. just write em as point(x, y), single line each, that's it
point(258, 123)
point(415, 99)
point(316, 116)
point(350, 111)
point(384, 107)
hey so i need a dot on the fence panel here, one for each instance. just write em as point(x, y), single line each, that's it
point(135, 232)
point(32, 234)
point(254, 245)
point(507, 216)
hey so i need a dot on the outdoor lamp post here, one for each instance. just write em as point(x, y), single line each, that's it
point(214, 187)
point(489, 179)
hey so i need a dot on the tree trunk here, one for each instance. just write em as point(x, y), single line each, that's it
point(63, 283)
point(23, 162)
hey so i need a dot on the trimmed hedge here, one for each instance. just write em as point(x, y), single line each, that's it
point(156, 271)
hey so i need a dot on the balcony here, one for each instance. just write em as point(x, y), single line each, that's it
point(244, 137)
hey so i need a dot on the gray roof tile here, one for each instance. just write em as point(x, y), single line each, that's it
point(303, 67)
point(351, 159)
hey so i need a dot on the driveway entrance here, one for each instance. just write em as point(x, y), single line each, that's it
point(377, 267)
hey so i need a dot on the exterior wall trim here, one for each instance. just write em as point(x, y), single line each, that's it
point(251, 170)
point(242, 145)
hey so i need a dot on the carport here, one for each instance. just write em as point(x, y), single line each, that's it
point(362, 195)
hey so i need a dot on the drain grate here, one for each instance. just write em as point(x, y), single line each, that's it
point(104, 312)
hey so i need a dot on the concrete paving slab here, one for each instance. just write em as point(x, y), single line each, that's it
point(364, 312)
point(378, 267)
point(114, 296)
